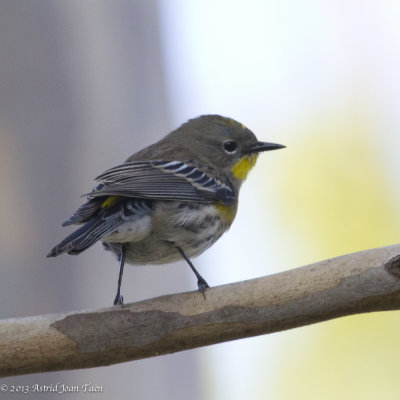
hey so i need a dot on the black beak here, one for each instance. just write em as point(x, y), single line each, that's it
point(263, 146)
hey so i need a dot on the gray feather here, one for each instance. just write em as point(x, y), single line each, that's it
point(107, 220)
point(166, 180)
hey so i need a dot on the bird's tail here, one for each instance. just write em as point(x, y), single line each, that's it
point(86, 235)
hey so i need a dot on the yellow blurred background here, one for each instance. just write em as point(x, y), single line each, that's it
point(84, 84)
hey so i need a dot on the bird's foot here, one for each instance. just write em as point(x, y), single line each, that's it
point(202, 285)
point(119, 300)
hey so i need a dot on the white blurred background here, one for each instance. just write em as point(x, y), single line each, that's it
point(84, 84)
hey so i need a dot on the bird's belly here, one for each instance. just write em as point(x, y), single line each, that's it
point(192, 227)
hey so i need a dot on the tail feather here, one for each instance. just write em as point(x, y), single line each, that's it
point(107, 220)
point(85, 212)
point(86, 236)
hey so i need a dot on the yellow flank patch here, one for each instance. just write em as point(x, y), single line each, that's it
point(110, 201)
point(227, 213)
point(243, 166)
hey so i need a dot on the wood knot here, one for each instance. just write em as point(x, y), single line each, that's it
point(393, 266)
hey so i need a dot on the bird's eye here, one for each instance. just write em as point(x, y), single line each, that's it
point(230, 147)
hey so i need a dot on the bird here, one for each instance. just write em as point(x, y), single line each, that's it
point(170, 200)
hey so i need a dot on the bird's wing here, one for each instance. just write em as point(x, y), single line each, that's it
point(164, 180)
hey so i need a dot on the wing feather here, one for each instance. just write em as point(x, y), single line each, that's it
point(166, 180)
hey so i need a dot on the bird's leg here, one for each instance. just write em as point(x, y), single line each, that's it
point(201, 282)
point(118, 298)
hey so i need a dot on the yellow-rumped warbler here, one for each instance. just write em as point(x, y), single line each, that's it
point(172, 199)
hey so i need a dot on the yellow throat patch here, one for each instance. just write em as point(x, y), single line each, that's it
point(241, 169)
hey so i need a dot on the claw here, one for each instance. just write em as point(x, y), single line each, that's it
point(202, 285)
point(119, 300)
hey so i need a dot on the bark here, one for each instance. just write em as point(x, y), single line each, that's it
point(351, 284)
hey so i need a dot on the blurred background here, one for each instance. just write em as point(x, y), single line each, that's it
point(84, 84)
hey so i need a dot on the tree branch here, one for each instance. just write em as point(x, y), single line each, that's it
point(351, 284)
